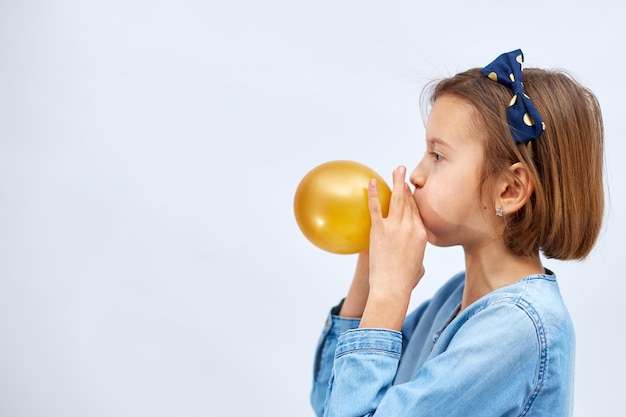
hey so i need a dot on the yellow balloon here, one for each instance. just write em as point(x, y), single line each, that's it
point(331, 206)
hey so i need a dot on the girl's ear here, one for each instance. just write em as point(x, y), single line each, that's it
point(514, 188)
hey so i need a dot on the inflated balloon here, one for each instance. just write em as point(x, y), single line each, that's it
point(331, 206)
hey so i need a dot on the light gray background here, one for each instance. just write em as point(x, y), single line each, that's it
point(150, 263)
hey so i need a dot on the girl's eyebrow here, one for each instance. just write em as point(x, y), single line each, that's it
point(437, 142)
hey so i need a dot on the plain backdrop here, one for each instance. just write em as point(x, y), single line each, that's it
point(150, 262)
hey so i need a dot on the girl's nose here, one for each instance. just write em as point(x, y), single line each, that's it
point(417, 177)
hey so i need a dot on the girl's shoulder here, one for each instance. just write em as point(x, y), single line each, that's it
point(532, 305)
point(537, 294)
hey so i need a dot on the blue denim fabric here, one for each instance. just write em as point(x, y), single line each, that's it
point(511, 353)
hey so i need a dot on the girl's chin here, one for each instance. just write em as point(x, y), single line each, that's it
point(438, 240)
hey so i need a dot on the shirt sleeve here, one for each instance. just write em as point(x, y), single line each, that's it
point(489, 364)
point(325, 353)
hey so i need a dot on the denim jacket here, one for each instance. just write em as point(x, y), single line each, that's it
point(511, 353)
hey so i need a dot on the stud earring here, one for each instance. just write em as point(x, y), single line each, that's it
point(499, 212)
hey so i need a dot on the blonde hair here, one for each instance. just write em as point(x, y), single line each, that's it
point(564, 215)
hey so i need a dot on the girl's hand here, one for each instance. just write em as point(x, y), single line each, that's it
point(397, 245)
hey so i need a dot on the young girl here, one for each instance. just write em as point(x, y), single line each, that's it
point(513, 167)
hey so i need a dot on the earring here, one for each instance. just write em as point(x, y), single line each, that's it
point(499, 212)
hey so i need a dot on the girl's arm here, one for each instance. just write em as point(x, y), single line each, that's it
point(354, 303)
point(343, 317)
point(397, 245)
point(489, 365)
point(383, 281)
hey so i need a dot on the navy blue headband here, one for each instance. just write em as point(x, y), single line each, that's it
point(524, 120)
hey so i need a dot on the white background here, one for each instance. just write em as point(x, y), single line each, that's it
point(150, 263)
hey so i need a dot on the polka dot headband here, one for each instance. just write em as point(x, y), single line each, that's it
point(524, 120)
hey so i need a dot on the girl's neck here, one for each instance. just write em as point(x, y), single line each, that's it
point(489, 269)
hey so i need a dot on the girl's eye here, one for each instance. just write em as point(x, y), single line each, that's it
point(436, 156)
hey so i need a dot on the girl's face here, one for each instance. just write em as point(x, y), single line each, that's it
point(446, 180)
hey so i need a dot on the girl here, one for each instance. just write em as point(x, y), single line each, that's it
point(511, 169)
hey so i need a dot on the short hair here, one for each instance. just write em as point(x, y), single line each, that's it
point(564, 215)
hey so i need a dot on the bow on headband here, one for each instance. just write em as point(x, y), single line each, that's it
point(524, 120)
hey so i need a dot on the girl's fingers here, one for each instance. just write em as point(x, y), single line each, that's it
point(415, 214)
point(402, 207)
point(373, 202)
point(396, 206)
point(414, 219)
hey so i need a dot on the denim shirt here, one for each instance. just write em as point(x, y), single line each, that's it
point(511, 353)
